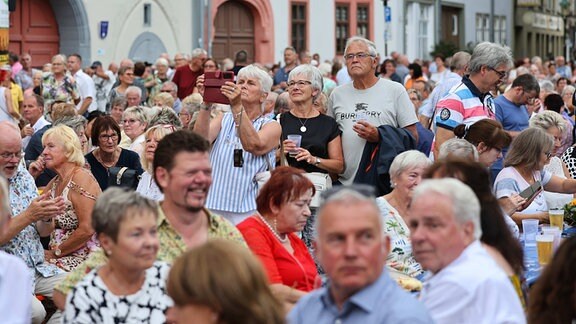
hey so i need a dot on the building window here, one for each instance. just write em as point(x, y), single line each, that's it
point(147, 15)
point(500, 29)
point(342, 31)
point(363, 18)
point(482, 28)
point(299, 26)
point(423, 22)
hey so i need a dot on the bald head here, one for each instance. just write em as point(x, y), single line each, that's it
point(11, 147)
point(8, 129)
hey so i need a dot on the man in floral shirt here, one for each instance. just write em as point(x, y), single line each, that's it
point(29, 213)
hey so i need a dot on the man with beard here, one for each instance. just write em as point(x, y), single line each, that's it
point(470, 101)
point(183, 173)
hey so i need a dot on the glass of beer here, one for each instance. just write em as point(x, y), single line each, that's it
point(557, 218)
point(545, 246)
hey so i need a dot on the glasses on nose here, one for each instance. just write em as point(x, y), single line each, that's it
point(360, 56)
point(209, 66)
point(168, 91)
point(183, 114)
point(548, 155)
point(11, 155)
point(299, 84)
point(106, 138)
point(501, 74)
point(129, 121)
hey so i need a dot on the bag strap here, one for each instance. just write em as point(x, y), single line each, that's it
point(119, 175)
point(283, 161)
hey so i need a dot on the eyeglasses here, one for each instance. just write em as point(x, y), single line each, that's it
point(501, 74)
point(300, 83)
point(209, 66)
point(105, 138)
point(360, 56)
point(10, 155)
point(548, 154)
point(165, 90)
point(183, 114)
point(129, 121)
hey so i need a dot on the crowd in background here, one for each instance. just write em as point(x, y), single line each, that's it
point(218, 186)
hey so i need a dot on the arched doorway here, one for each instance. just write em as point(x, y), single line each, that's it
point(44, 28)
point(147, 47)
point(34, 30)
point(234, 31)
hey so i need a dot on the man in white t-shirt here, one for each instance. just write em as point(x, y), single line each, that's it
point(85, 85)
point(378, 101)
point(103, 82)
point(465, 284)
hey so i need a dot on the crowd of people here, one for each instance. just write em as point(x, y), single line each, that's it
point(303, 192)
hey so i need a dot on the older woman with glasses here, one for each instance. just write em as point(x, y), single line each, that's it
point(106, 136)
point(244, 143)
point(126, 78)
point(135, 120)
point(524, 165)
point(131, 286)
point(72, 239)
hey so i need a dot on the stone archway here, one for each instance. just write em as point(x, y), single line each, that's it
point(73, 27)
point(263, 27)
point(147, 47)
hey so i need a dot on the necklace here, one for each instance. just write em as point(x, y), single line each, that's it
point(101, 160)
point(303, 128)
point(282, 240)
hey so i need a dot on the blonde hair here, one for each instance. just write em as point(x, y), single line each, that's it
point(158, 131)
point(165, 99)
point(237, 291)
point(69, 140)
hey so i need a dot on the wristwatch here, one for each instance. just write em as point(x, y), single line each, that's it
point(57, 252)
point(317, 162)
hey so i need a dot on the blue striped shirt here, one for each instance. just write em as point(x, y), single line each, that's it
point(234, 189)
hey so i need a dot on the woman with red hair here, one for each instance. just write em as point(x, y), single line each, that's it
point(283, 208)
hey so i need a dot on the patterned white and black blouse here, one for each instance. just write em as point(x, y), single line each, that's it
point(92, 302)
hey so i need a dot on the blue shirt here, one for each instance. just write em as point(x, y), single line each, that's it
point(381, 302)
point(513, 118)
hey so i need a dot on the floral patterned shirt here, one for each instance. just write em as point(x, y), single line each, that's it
point(400, 257)
point(26, 244)
point(171, 246)
point(64, 90)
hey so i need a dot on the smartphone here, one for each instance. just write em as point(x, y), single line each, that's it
point(530, 192)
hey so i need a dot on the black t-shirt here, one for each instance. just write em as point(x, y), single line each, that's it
point(127, 158)
point(320, 130)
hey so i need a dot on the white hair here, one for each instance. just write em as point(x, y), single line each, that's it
point(134, 89)
point(253, 71)
point(407, 160)
point(457, 147)
point(465, 203)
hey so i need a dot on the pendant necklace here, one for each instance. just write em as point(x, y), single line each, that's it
point(303, 128)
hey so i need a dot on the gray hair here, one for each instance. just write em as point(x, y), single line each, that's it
point(325, 68)
point(197, 52)
point(139, 112)
point(548, 119)
point(61, 57)
point(527, 147)
point(74, 122)
point(358, 39)
point(166, 116)
point(547, 86)
point(253, 71)
point(465, 203)
point(172, 84)
point(568, 88)
point(491, 55)
point(161, 61)
point(459, 61)
point(407, 160)
point(311, 73)
point(133, 89)
point(347, 195)
point(115, 205)
point(457, 147)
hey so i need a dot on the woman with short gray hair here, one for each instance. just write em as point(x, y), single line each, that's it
point(126, 226)
point(406, 173)
point(244, 143)
point(135, 120)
